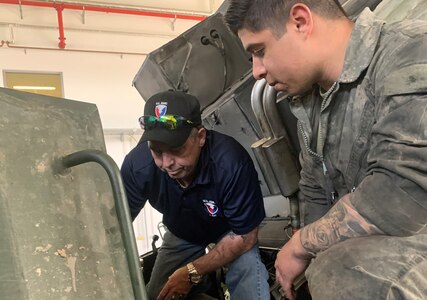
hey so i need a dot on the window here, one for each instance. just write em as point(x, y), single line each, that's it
point(49, 84)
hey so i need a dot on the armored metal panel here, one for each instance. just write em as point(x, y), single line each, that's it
point(204, 61)
point(59, 234)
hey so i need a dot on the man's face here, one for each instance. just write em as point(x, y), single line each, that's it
point(179, 163)
point(282, 61)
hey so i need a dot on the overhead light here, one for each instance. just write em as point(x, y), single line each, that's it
point(31, 87)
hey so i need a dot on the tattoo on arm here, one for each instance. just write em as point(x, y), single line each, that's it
point(232, 235)
point(340, 223)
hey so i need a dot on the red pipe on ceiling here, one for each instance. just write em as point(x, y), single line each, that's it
point(126, 11)
point(60, 7)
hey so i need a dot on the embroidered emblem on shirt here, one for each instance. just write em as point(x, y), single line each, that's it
point(161, 108)
point(211, 207)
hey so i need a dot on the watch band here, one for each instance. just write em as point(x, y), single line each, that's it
point(193, 276)
point(191, 268)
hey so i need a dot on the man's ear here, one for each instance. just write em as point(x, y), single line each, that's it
point(201, 134)
point(301, 19)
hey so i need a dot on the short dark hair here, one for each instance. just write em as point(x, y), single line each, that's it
point(257, 15)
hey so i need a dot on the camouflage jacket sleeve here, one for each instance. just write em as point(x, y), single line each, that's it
point(393, 195)
point(316, 204)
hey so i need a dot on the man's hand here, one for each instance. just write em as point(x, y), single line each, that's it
point(225, 251)
point(291, 261)
point(340, 223)
point(177, 286)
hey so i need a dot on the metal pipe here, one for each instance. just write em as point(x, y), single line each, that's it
point(265, 166)
point(82, 29)
point(109, 9)
point(257, 107)
point(278, 149)
point(122, 209)
point(9, 44)
point(271, 113)
point(59, 8)
point(294, 210)
point(257, 147)
point(283, 164)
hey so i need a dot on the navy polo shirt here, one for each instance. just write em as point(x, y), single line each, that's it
point(224, 196)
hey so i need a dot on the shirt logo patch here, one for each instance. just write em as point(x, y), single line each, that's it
point(211, 207)
point(161, 108)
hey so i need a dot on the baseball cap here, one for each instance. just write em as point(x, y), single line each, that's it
point(184, 112)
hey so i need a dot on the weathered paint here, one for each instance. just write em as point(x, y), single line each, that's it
point(59, 235)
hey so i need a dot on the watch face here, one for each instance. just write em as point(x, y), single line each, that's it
point(195, 278)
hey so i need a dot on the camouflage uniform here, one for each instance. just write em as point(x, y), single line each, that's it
point(368, 136)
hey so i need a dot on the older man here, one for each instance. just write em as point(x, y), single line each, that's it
point(205, 185)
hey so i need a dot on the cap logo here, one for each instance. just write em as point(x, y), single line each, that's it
point(211, 207)
point(161, 108)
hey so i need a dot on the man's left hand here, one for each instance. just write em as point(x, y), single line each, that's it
point(291, 261)
point(177, 286)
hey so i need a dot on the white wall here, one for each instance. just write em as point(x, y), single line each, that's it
point(103, 79)
point(100, 78)
point(119, 143)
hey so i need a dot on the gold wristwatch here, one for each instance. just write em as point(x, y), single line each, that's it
point(193, 276)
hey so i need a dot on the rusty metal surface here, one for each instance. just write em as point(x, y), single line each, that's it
point(59, 235)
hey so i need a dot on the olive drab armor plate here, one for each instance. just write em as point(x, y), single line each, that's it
point(59, 234)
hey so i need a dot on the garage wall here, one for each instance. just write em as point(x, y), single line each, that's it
point(103, 53)
point(119, 143)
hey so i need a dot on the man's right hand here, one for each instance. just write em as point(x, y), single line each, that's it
point(291, 261)
point(177, 287)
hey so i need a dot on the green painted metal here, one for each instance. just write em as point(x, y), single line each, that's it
point(123, 213)
point(59, 234)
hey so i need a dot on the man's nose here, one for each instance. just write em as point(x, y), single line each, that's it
point(258, 68)
point(167, 160)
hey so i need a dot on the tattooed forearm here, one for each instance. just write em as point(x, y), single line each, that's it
point(230, 247)
point(340, 223)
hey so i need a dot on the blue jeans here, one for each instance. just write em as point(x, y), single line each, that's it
point(375, 267)
point(246, 277)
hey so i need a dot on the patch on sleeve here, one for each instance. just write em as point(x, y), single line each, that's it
point(407, 80)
